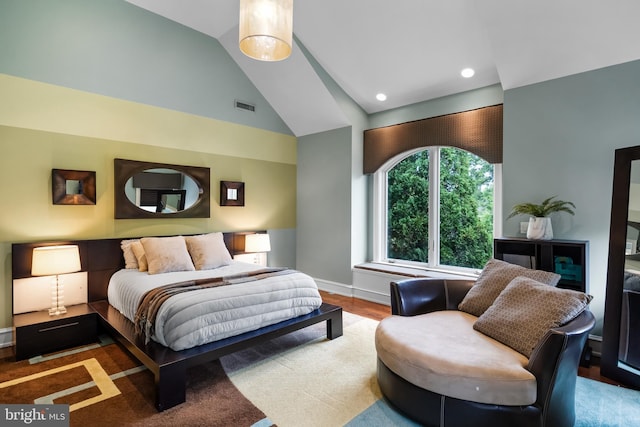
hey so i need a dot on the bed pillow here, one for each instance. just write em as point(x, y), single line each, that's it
point(524, 312)
point(208, 251)
point(130, 260)
point(141, 258)
point(495, 276)
point(166, 254)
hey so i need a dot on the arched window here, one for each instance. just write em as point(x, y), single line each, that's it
point(436, 207)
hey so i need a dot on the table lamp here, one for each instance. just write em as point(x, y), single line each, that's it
point(53, 261)
point(257, 243)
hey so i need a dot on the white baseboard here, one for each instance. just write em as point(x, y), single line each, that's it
point(6, 337)
point(334, 287)
point(373, 296)
point(352, 291)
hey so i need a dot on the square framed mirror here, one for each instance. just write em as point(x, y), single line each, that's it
point(231, 193)
point(71, 187)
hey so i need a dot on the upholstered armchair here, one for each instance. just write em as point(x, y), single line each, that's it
point(553, 365)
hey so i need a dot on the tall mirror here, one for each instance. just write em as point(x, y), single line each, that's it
point(158, 190)
point(621, 331)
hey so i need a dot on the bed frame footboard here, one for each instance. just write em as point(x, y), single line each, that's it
point(170, 367)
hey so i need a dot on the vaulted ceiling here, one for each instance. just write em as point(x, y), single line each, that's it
point(414, 50)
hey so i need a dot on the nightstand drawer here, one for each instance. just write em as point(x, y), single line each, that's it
point(55, 334)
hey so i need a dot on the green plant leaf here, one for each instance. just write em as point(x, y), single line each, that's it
point(547, 207)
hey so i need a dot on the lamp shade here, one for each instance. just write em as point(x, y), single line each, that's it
point(50, 260)
point(266, 29)
point(257, 243)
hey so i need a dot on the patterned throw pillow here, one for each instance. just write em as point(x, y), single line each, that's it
point(526, 310)
point(495, 276)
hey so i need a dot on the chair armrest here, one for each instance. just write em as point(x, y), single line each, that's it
point(554, 362)
point(411, 297)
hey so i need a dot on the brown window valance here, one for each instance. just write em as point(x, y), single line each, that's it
point(477, 131)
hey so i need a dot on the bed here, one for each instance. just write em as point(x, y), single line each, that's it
point(114, 291)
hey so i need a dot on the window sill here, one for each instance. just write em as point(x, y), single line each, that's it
point(403, 270)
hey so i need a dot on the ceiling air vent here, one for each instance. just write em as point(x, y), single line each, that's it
point(245, 106)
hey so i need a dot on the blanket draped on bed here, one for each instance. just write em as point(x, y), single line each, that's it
point(151, 301)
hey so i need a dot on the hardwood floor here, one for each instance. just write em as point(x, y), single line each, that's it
point(358, 306)
point(378, 312)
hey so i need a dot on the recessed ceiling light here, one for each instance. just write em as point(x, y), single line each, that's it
point(467, 72)
point(381, 97)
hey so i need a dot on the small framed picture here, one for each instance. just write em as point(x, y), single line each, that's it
point(231, 193)
point(71, 187)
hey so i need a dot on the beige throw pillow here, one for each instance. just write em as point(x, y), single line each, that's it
point(130, 260)
point(208, 251)
point(141, 258)
point(495, 276)
point(526, 310)
point(166, 254)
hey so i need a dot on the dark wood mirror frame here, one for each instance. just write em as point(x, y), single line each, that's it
point(87, 187)
point(125, 209)
point(610, 365)
point(237, 187)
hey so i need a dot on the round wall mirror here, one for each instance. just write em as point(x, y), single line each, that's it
point(153, 190)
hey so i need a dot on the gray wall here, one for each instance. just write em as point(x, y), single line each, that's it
point(478, 98)
point(283, 248)
point(559, 135)
point(334, 197)
point(559, 139)
point(324, 205)
point(332, 203)
point(113, 48)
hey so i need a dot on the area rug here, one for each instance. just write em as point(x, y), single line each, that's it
point(319, 383)
point(105, 386)
point(300, 379)
point(332, 383)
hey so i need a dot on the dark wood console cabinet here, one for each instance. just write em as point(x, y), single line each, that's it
point(37, 332)
point(566, 257)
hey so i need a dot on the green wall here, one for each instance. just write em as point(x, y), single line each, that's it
point(29, 155)
point(559, 139)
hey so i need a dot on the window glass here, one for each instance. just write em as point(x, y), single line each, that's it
point(407, 212)
point(466, 209)
point(462, 205)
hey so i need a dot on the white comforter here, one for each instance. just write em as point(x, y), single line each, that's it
point(198, 317)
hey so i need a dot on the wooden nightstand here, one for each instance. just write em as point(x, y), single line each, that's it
point(38, 332)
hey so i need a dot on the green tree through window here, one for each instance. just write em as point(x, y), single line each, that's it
point(465, 208)
point(408, 208)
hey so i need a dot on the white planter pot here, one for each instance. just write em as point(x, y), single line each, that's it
point(539, 229)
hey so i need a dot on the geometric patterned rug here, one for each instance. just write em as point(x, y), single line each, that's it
point(105, 386)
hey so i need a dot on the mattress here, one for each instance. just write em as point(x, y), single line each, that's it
point(197, 317)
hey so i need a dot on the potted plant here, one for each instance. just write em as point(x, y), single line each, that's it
point(539, 222)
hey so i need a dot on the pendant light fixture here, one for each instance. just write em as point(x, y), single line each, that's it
point(266, 29)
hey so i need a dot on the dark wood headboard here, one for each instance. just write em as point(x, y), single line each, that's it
point(100, 258)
